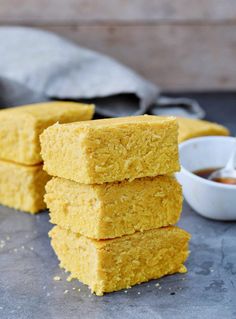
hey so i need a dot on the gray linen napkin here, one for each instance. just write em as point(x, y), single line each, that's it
point(36, 66)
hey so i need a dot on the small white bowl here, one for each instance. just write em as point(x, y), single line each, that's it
point(209, 199)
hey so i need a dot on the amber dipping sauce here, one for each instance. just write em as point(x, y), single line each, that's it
point(206, 172)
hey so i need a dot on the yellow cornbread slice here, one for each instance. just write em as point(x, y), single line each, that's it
point(20, 127)
point(111, 150)
point(113, 264)
point(190, 128)
point(22, 187)
point(114, 209)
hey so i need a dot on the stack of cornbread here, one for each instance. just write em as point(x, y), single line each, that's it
point(113, 199)
point(22, 179)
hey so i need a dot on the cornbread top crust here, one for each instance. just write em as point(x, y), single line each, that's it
point(127, 240)
point(111, 149)
point(20, 127)
point(190, 128)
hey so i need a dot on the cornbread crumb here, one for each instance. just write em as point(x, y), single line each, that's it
point(56, 278)
point(108, 150)
point(69, 278)
point(147, 250)
point(20, 127)
point(114, 209)
point(2, 243)
point(66, 291)
point(157, 284)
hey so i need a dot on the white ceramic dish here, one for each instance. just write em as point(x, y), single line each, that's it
point(210, 199)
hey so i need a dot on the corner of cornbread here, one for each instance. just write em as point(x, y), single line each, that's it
point(114, 209)
point(21, 126)
point(111, 149)
point(22, 187)
point(114, 264)
point(190, 128)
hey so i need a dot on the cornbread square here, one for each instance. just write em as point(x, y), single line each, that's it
point(190, 128)
point(22, 187)
point(114, 209)
point(108, 150)
point(20, 127)
point(113, 264)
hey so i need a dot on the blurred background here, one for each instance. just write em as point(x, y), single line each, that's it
point(178, 44)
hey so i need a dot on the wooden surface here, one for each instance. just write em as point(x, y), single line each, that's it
point(179, 44)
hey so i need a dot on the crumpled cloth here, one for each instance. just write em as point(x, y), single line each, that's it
point(37, 66)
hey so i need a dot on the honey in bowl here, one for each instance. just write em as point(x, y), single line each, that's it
point(206, 172)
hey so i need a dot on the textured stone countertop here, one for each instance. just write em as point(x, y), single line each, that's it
point(28, 266)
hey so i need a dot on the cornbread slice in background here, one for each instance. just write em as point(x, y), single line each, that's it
point(190, 128)
point(114, 209)
point(111, 150)
point(20, 127)
point(22, 187)
point(114, 264)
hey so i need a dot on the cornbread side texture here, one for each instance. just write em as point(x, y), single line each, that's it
point(111, 150)
point(22, 187)
point(114, 264)
point(20, 127)
point(114, 209)
point(190, 128)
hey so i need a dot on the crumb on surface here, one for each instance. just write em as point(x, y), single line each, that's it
point(66, 291)
point(56, 278)
point(69, 278)
point(2, 243)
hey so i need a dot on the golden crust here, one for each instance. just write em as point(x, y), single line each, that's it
point(190, 128)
